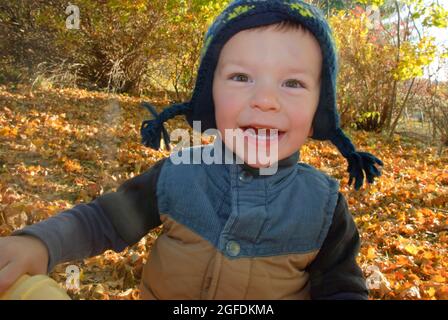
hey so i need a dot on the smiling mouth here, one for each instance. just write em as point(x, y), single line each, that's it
point(262, 134)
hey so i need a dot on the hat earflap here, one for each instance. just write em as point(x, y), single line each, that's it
point(358, 162)
point(152, 130)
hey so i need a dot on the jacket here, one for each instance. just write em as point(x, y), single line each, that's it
point(228, 232)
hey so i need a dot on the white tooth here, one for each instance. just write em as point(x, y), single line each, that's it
point(262, 134)
point(250, 132)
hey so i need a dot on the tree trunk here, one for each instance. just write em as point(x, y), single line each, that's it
point(394, 124)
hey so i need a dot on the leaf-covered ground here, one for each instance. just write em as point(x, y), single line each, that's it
point(61, 147)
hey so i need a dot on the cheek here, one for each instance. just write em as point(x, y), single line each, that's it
point(226, 111)
point(301, 120)
point(222, 120)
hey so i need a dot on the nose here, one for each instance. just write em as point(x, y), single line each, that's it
point(265, 98)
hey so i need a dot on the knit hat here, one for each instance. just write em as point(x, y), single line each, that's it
point(245, 14)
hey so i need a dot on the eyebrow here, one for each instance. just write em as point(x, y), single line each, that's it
point(300, 70)
point(232, 64)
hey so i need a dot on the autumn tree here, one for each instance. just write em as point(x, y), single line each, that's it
point(123, 46)
point(380, 60)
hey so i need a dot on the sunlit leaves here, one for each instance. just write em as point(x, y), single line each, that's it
point(432, 14)
point(79, 150)
point(414, 57)
point(402, 218)
point(376, 3)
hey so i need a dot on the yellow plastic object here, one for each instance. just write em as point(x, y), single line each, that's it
point(39, 287)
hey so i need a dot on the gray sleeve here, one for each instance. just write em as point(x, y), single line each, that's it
point(112, 221)
point(80, 232)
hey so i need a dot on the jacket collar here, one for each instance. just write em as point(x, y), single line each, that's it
point(284, 166)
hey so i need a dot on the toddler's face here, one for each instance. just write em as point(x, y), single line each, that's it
point(268, 79)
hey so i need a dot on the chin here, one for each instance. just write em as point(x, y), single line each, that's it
point(258, 165)
point(262, 161)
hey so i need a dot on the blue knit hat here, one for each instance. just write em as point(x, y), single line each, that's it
point(246, 14)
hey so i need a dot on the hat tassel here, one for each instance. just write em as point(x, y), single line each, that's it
point(153, 130)
point(360, 164)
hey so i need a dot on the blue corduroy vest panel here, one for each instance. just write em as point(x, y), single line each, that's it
point(288, 212)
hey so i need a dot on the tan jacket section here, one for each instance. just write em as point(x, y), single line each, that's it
point(183, 265)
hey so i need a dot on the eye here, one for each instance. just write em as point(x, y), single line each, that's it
point(239, 77)
point(293, 83)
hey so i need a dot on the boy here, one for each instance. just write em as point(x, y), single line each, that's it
point(230, 232)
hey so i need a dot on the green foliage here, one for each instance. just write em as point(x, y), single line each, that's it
point(432, 14)
point(378, 63)
point(187, 23)
point(368, 121)
point(329, 6)
point(137, 46)
point(365, 70)
point(377, 3)
point(414, 57)
point(123, 46)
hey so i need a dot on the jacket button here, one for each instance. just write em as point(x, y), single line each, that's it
point(245, 176)
point(233, 248)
